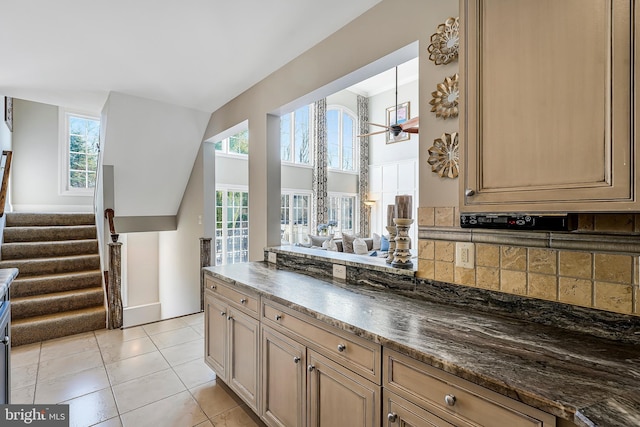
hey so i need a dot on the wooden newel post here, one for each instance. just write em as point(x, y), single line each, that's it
point(114, 296)
point(205, 261)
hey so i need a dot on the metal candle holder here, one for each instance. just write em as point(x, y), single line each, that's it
point(392, 243)
point(402, 255)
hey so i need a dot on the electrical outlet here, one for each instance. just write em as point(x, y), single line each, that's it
point(272, 257)
point(465, 255)
point(340, 271)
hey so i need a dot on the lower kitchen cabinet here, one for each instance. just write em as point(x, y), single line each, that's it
point(283, 380)
point(399, 412)
point(338, 397)
point(232, 346)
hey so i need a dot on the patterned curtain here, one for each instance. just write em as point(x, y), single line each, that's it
point(363, 184)
point(319, 206)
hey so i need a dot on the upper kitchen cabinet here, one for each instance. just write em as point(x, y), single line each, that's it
point(548, 106)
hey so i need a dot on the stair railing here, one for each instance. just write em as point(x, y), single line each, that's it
point(114, 276)
point(6, 166)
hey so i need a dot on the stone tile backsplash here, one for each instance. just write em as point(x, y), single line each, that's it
point(604, 281)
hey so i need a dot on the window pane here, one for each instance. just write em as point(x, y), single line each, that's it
point(77, 144)
point(77, 126)
point(333, 139)
point(83, 138)
point(77, 161)
point(348, 137)
point(77, 179)
point(285, 138)
point(301, 130)
point(239, 143)
point(219, 146)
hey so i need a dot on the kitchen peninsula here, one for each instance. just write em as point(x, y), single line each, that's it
point(477, 364)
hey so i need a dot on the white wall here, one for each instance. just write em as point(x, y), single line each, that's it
point(152, 146)
point(35, 168)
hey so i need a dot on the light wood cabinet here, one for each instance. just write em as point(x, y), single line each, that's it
point(232, 341)
point(547, 106)
point(453, 399)
point(399, 412)
point(283, 380)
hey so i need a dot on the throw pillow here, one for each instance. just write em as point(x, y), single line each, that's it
point(384, 243)
point(376, 241)
point(332, 245)
point(360, 246)
point(317, 240)
point(347, 243)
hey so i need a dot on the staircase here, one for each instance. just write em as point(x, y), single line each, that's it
point(58, 291)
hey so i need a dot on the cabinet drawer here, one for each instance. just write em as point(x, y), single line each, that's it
point(244, 301)
point(458, 399)
point(357, 354)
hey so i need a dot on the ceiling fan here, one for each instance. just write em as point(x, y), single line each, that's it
point(409, 126)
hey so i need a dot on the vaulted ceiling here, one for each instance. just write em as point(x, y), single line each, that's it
point(193, 53)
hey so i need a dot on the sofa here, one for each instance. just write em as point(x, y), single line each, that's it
point(321, 242)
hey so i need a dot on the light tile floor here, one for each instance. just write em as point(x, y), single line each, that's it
point(149, 375)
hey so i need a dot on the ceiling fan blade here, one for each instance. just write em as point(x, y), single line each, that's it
point(412, 123)
point(373, 133)
point(376, 124)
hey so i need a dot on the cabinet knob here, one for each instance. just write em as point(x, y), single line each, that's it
point(213, 287)
point(243, 301)
point(229, 317)
point(469, 192)
point(392, 417)
point(341, 347)
point(278, 316)
point(450, 399)
point(222, 313)
point(6, 340)
point(296, 359)
point(311, 368)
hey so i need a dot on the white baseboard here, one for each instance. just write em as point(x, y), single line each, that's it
point(141, 314)
point(53, 208)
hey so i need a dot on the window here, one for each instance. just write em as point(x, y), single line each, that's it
point(295, 136)
point(80, 146)
point(294, 217)
point(341, 139)
point(342, 209)
point(232, 227)
point(236, 144)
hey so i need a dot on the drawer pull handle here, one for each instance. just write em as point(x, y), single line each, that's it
point(341, 347)
point(229, 317)
point(296, 359)
point(213, 287)
point(450, 399)
point(6, 340)
point(469, 192)
point(278, 316)
point(222, 313)
point(392, 417)
point(311, 368)
point(243, 301)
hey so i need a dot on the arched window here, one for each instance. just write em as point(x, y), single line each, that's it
point(341, 139)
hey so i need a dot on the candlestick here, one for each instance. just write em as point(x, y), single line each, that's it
point(403, 206)
point(391, 213)
point(392, 243)
point(402, 254)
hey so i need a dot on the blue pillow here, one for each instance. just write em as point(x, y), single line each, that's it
point(384, 243)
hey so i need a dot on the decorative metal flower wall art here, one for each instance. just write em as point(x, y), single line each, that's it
point(445, 98)
point(443, 155)
point(444, 43)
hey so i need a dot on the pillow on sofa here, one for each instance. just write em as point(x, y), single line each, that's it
point(317, 240)
point(347, 243)
point(360, 246)
point(376, 241)
point(330, 245)
point(384, 243)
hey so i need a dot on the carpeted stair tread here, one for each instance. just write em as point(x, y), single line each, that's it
point(67, 264)
point(49, 326)
point(57, 302)
point(48, 283)
point(18, 250)
point(49, 233)
point(18, 219)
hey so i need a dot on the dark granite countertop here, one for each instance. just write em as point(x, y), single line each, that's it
point(589, 380)
point(6, 278)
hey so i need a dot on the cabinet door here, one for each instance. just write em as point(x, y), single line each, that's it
point(546, 96)
point(216, 333)
point(338, 397)
point(399, 412)
point(244, 345)
point(283, 380)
